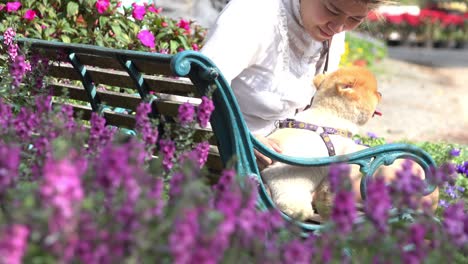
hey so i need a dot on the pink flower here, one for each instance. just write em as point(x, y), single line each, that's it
point(102, 6)
point(29, 15)
point(139, 11)
point(153, 9)
point(195, 47)
point(146, 38)
point(13, 243)
point(13, 6)
point(184, 24)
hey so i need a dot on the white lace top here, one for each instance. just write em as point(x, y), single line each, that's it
point(261, 48)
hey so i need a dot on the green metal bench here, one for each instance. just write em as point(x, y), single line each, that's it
point(146, 72)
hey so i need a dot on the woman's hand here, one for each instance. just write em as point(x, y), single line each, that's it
point(262, 160)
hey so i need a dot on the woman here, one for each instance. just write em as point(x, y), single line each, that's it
point(270, 50)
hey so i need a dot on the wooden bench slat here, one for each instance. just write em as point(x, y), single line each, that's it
point(165, 107)
point(121, 79)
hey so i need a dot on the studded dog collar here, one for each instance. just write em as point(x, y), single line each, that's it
point(291, 123)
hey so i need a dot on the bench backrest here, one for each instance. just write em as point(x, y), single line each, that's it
point(189, 74)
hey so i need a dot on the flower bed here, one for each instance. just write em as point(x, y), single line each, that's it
point(69, 193)
point(103, 23)
point(428, 27)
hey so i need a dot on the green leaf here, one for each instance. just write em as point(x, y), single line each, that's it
point(103, 21)
point(65, 39)
point(173, 46)
point(116, 29)
point(184, 42)
point(72, 9)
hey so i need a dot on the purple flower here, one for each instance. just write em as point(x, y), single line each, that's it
point(9, 165)
point(146, 38)
point(417, 253)
point(156, 194)
point(454, 223)
point(13, 243)
point(297, 251)
point(139, 11)
point(99, 135)
point(18, 68)
point(463, 168)
point(443, 174)
point(186, 112)
point(443, 203)
point(344, 211)
point(455, 152)
point(407, 185)
point(183, 238)
point(227, 178)
point(378, 203)
point(66, 115)
point(200, 153)
point(5, 115)
point(13, 51)
point(204, 111)
point(43, 104)
point(453, 191)
point(61, 191)
point(112, 167)
point(372, 135)
point(25, 123)
point(9, 36)
point(144, 126)
point(338, 176)
point(167, 149)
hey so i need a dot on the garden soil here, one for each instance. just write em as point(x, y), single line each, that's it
point(424, 97)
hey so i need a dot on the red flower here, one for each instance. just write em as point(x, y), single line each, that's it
point(29, 15)
point(184, 24)
point(394, 19)
point(412, 20)
point(452, 19)
point(431, 15)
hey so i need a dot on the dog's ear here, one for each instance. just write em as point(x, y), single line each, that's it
point(318, 79)
point(347, 89)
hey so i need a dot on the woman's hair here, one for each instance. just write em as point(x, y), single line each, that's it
point(376, 3)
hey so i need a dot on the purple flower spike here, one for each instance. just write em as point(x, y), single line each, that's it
point(417, 253)
point(9, 165)
point(13, 243)
point(454, 223)
point(378, 203)
point(167, 149)
point(186, 112)
point(339, 177)
point(204, 111)
point(344, 211)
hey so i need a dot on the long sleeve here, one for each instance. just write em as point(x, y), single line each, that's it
point(236, 37)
